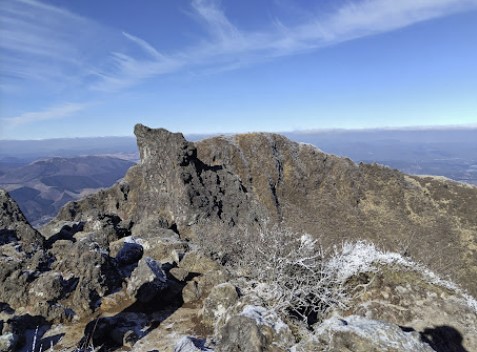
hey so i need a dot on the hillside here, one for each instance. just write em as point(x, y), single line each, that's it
point(249, 243)
point(42, 187)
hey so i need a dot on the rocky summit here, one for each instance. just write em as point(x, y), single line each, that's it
point(245, 243)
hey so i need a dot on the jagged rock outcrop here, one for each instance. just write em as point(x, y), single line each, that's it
point(170, 188)
point(245, 181)
point(160, 255)
point(14, 227)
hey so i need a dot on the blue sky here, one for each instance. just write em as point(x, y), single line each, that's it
point(95, 68)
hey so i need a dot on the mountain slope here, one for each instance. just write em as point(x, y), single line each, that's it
point(41, 188)
point(252, 179)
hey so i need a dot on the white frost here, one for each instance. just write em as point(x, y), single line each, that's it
point(362, 256)
point(263, 316)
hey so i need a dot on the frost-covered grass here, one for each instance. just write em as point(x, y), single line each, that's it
point(295, 276)
point(363, 257)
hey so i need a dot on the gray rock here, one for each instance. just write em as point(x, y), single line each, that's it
point(191, 291)
point(200, 286)
point(130, 253)
point(14, 226)
point(221, 298)
point(190, 344)
point(242, 334)
point(48, 287)
point(8, 341)
point(160, 244)
point(198, 263)
point(359, 334)
point(89, 271)
point(252, 328)
point(147, 280)
point(179, 274)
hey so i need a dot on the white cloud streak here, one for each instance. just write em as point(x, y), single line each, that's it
point(47, 45)
point(228, 47)
point(59, 38)
point(216, 22)
point(128, 70)
point(352, 20)
point(53, 113)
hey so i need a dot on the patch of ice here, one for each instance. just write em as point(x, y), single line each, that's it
point(134, 240)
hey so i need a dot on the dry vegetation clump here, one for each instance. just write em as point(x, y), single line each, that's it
point(289, 272)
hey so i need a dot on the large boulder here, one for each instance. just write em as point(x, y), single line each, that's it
point(147, 280)
point(221, 298)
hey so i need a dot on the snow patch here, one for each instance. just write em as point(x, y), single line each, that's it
point(134, 240)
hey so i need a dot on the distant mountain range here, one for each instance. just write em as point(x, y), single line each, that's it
point(42, 187)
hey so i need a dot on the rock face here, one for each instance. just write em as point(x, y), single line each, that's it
point(157, 262)
point(14, 227)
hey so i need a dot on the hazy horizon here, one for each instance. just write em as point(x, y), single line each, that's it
point(301, 131)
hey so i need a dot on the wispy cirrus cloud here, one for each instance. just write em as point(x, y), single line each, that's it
point(228, 47)
point(60, 46)
point(126, 70)
point(52, 113)
point(41, 42)
point(351, 20)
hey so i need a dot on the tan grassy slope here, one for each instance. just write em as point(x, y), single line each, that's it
point(433, 220)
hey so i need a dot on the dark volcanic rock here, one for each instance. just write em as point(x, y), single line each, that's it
point(147, 280)
point(171, 188)
point(14, 226)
